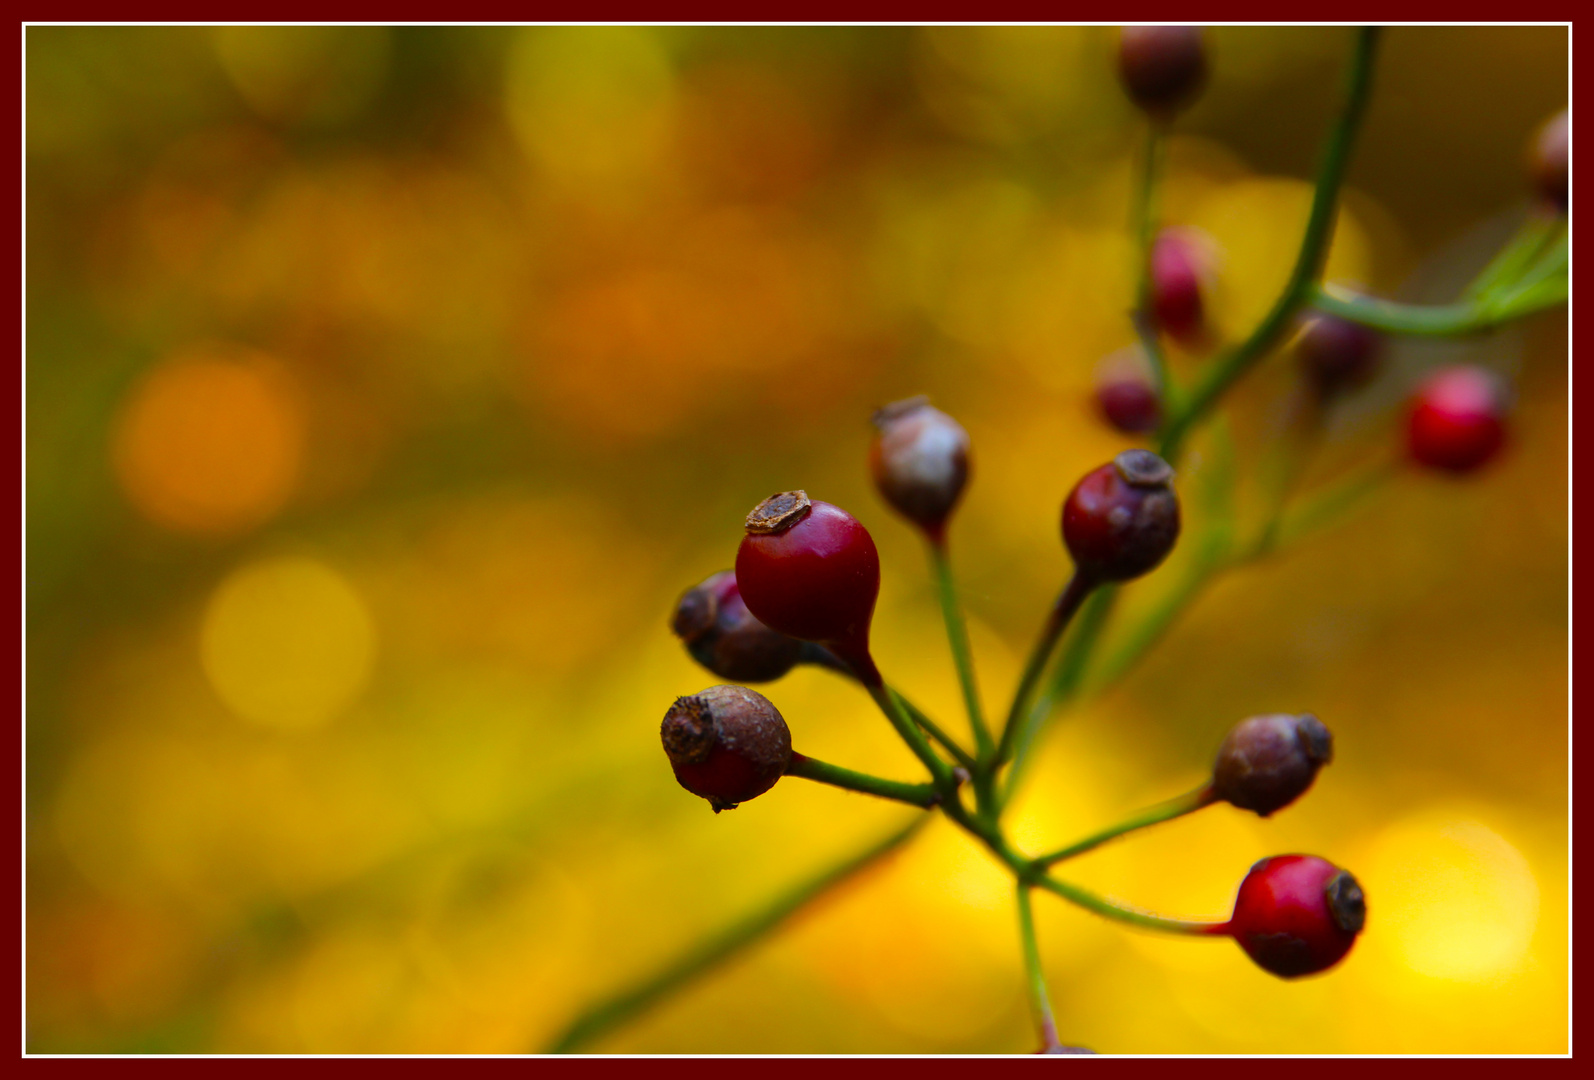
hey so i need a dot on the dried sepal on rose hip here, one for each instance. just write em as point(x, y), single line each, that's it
point(1457, 419)
point(1337, 356)
point(920, 463)
point(811, 571)
point(1163, 68)
point(727, 639)
point(1122, 519)
point(726, 744)
point(1297, 915)
point(1548, 158)
point(1267, 762)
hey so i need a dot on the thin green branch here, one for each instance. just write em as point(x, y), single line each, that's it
point(1443, 320)
point(1513, 260)
point(891, 705)
point(1119, 913)
point(1068, 601)
point(820, 656)
point(923, 796)
point(1228, 368)
point(721, 946)
point(1035, 977)
point(957, 633)
point(1154, 815)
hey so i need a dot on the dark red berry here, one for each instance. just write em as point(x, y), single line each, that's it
point(1548, 160)
point(1181, 262)
point(1267, 762)
point(1129, 402)
point(1457, 419)
point(723, 636)
point(1337, 355)
point(920, 462)
point(1163, 67)
point(809, 570)
point(1122, 519)
point(1297, 914)
point(727, 744)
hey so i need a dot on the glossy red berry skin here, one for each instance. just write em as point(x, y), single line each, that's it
point(1129, 405)
point(1337, 356)
point(1297, 915)
point(1163, 67)
point(811, 571)
point(722, 635)
point(1548, 161)
point(726, 744)
point(1267, 762)
point(1180, 261)
point(1456, 423)
point(920, 463)
point(1122, 519)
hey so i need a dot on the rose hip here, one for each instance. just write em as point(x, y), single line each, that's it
point(1122, 519)
point(1163, 67)
point(726, 638)
point(920, 463)
point(1456, 423)
point(1267, 762)
point(1297, 915)
point(727, 744)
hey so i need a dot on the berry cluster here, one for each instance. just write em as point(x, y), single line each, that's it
point(807, 573)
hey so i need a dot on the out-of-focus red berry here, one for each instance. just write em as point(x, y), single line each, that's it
point(1457, 419)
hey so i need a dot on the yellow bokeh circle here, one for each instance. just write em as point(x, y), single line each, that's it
point(287, 642)
point(210, 442)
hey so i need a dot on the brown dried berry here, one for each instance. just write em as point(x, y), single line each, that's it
point(1163, 67)
point(727, 744)
point(1267, 762)
point(727, 639)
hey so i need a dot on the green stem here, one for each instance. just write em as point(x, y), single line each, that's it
point(923, 796)
point(1035, 977)
point(820, 656)
point(957, 633)
point(721, 946)
point(1153, 815)
point(1444, 320)
point(1065, 681)
point(891, 705)
point(1513, 260)
point(1117, 912)
point(1228, 369)
point(1331, 503)
point(1137, 641)
point(1079, 586)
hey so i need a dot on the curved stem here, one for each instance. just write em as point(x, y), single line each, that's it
point(891, 705)
point(1445, 320)
point(957, 633)
point(1119, 913)
point(1152, 815)
point(1227, 369)
point(923, 796)
point(719, 947)
point(1035, 978)
point(1513, 260)
point(1079, 586)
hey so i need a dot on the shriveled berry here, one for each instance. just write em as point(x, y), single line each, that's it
point(1297, 914)
point(1267, 762)
point(1548, 160)
point(727, 744)
point(810, 570)
point(1122, 519)
point(1163, 67)
point(1181, 264)
point(920, 462)
point(723, 636)
point(1337, 355)
point(1457, 419)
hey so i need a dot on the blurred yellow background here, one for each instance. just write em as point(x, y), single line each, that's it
point(386, 386)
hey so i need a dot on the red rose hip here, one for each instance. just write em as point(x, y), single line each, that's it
point(1163, 67)
point(1297, 915)
point(920, 463)
point(727, 744)
point(1122, 519)
point(723, 636)
point(1125, 396)
point(810, 570)
point(1456, 423)
point(1181, 261)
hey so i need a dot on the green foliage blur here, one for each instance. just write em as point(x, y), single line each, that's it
point(385, 387)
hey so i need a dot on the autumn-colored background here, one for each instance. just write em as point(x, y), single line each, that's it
point(386, 386)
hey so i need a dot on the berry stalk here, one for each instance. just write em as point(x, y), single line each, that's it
point(1228, 369)
point(891, 705)
point(957, 633)
point(1119, 913)
point(1539, 290)
point(1068, 601)
point(1154, 815)
point(1035, 978)
point(923, 796)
